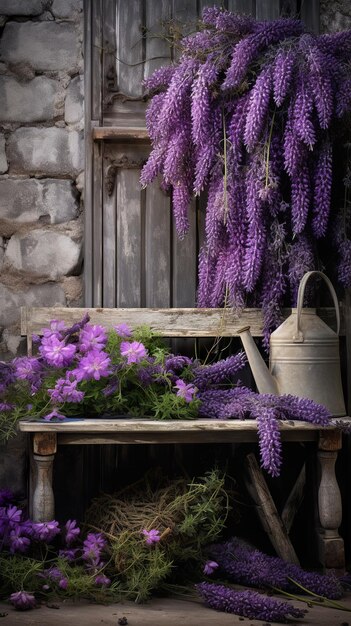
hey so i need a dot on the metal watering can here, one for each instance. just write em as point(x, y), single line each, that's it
point(304, 356)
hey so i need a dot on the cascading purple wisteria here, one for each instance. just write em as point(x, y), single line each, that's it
point(242, 403)
point(250, 114)
point(220, 372)
point(322, 190)
point(246, 565)
point(247, 603)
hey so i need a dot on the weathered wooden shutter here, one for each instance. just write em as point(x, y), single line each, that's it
point(132, 254)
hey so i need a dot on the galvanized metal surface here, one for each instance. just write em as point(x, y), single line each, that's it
point(304, 356)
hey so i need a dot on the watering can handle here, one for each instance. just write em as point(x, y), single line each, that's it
point(298, 336)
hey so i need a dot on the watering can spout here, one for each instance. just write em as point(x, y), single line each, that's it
point(264, 380)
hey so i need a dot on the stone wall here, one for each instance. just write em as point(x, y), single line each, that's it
point(41, 171)
point(335, 15)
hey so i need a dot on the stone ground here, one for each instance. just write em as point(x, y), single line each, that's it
point(158, 612)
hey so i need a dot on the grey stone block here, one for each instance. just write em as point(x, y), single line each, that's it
point(47, 294)
point(74, 101)
point(3, 160)
point(24, 201)
point(33, 101)
point(66, 8)
point(48, 45)
point(46, 150)
point(43, 253)
point(1, 250)
point(21, 7)
point(335, 15)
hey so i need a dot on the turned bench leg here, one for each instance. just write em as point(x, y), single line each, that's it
point(42, 499)
point(331, 545)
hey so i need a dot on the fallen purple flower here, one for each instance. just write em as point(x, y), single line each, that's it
point(247, 603)
point(210, 567)
point(102, 581)
point(22, 600)
point(72, 531)
point(53, 415)
point(151, 536)
point(45, 531)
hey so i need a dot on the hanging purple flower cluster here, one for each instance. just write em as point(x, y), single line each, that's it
point(243, 403)
point(249, 113)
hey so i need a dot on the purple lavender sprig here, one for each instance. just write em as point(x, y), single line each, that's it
point(258, 108)
point(283, 70)
point(220, 372)
point(246, 565)
point(247, 603)
point(322, 190)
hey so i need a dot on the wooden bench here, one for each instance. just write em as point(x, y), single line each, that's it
point(195, 323)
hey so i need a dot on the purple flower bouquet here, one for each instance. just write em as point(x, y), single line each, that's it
point(85, 371)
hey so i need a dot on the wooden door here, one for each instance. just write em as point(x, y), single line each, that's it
point(132, 255)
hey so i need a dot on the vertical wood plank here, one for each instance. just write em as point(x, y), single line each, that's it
point(97, 250)
point(97, 51)
point(310, 14)
point(185, 13)
point(347, 442)
point(129, 239)
point(185, 264)
point(157, 248)
point(267, 9)
point(130, 43)
point(156, 13)
point(184, 252)
point(88, 187)
point(109, 235)
point(109, 46)
point(247, 7)
point(347, 316)
point(288, 8)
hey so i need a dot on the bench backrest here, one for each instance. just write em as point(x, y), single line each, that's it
point(165, 322)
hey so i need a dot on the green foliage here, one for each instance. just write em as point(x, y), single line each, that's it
point(19, 572)
point(169, 406)
point(138, 389)
point(188, 516)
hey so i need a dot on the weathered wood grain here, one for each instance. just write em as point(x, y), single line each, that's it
point(129, 239)
point(121, 133)
point(130, 49)
point(175, 322)
point(157, 49)
point(267, 9)
point(310, 14)
point(242, 6)
point(108, 59)
point(109, 236)
point(157, 248)
point(267, 511)
point(294, 500)
point(156, 426)
point(97, 237)
point(96, 71)
point(88, 184)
